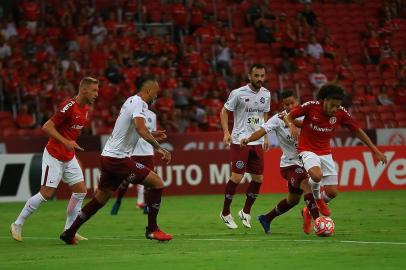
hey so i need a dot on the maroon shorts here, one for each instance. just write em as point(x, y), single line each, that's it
point(147, 161)
point(115, 170)
point(248, 159)
point(294, 174)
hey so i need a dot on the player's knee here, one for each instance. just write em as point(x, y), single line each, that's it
point(331, 193)
point(316, 177)
point(236, 178)
point(47, 193)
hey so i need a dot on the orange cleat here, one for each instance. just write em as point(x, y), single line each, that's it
point(158, 235)
point(307, 221)
point(323, 207)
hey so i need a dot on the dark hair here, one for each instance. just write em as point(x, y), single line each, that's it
point(142, 80)
point(287, 93)
point(257, 66)
point(331, 91)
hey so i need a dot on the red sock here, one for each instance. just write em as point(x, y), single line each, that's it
point(122, 189)
point(252, 194)
point(87, 212)
point(228, 196)
point(282, 207)
point(153, 200)
point(311, 205)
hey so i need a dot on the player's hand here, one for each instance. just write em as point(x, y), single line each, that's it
point(294, 132)
point(266, 145)
point(244, 142)
point(381, 157)
point(166, 155)
point(159, 135)
point(72, 145)
point(282, 114)
point(227, 139)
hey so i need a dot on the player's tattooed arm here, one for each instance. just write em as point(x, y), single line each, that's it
point(253, 137)
point(50, 129)
point(224, 126)
point(365, 139)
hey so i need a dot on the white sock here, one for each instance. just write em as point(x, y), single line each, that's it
point(140, 194)
point(74, 206)
point(326, 198)
point(315, 186)
point(30, 207)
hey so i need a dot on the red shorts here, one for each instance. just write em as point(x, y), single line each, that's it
point(248, 159)
point(115, 170)
point(294, 174)
point(147, 161)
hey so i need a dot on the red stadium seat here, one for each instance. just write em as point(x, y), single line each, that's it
point(400, 116)
point(402, 124)
point(386, 116)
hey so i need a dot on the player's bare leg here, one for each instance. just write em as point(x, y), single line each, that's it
point(310, 211)
point(140, 197)
point(100, 199)
point(252, 194)
point(329, 193)
point(75, 204)
point(229, 192)
point(153, 200)
point(122, 189)
point(30, 207)
point(316, 176)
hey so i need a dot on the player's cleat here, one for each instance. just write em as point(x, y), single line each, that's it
point(157, 235)
point(323, 207)
point(245, 218)
point(229, 221)
point(266, 225)
point(115, 208)
point(78, 237)
point(146, 210)
point(16, 232)
point(307, 221)
point(140, 205)
point(67, 238)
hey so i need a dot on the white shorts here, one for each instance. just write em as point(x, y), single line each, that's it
point(54, 170)
point(326, 164)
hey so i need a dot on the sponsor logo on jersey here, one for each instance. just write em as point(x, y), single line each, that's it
point(67, 106)
point(239, 164)
point(317, 128)
point(333, 120)
point(77, 127)
point(254, 110)
point(247, 100)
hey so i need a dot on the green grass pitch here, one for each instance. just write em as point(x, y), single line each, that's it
point(370, 234)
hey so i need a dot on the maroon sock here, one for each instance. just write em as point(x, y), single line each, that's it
point(282, 207)
point(87, 212)
point(153, 200)
point(252, 194)
point(228, 196)
point(311, 205)
point(122, 189)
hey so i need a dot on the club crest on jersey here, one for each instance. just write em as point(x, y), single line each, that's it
point(139, 165)
point(239, 164)
point(149, 120)
point(299, 170)
point(262, 100)
point(333, 120)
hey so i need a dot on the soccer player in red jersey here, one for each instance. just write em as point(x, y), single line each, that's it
point(291, 168)
point(59, 161)
point(250, 105)
point(321, 118)
point(117, 166)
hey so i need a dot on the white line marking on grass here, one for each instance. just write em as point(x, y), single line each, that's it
point(329, 240)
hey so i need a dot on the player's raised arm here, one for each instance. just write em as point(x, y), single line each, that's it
point(224, 126)
point(143, 131)
point(50, 129)
point(365, 139)
point(253, 137)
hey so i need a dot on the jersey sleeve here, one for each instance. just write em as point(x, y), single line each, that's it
point(348, 120)
point(63, 112)
point(301, 110)
point(232, 101)
point(271, 124)
point(139, 109)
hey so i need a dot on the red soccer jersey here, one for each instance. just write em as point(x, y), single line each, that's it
point(69, 120)
point(318, 128)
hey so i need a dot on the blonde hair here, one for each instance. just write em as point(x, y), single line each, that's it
point(86, 81)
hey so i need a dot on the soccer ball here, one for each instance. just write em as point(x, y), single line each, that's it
point(323, 226)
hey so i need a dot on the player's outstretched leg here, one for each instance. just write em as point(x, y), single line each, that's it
point(282, 207)
point(30, 207)
point(153, 200)
point(252, 194)
point(309, 212)
point(122, 189)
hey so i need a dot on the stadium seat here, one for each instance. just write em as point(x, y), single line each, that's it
point(400, 116)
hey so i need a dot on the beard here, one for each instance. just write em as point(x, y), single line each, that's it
point(257, 85)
